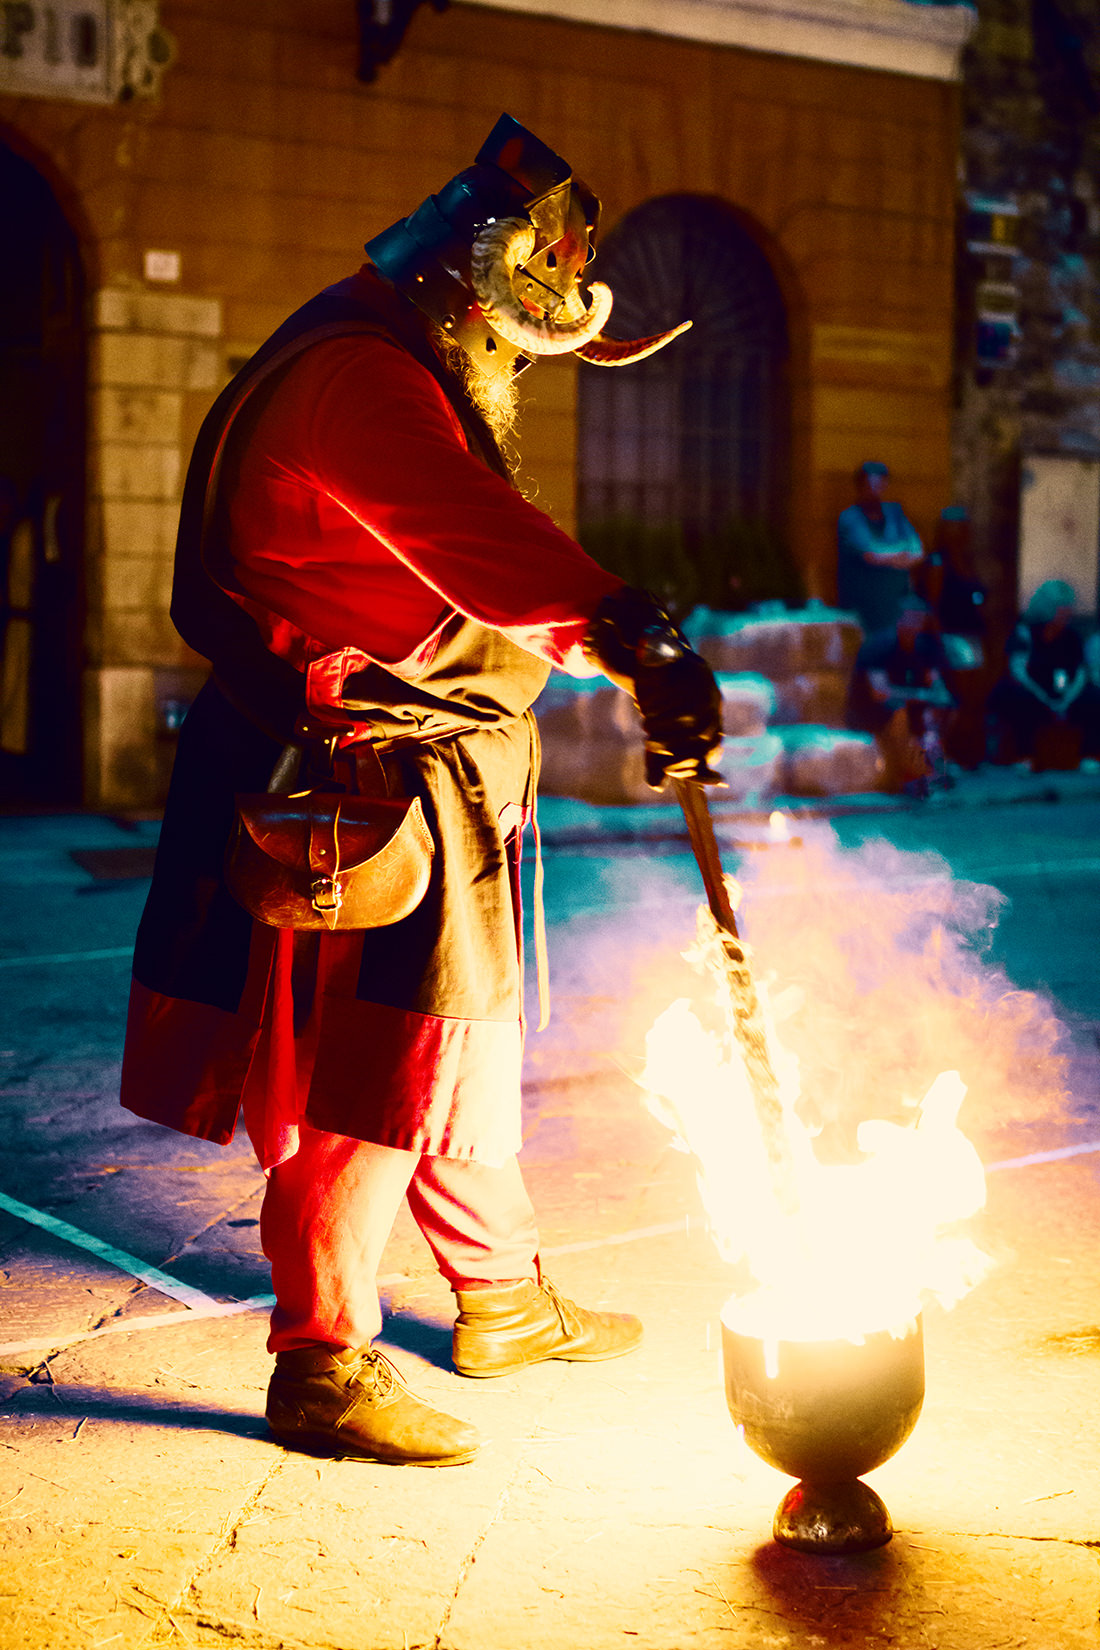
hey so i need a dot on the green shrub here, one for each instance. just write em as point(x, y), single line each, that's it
point(729, 567)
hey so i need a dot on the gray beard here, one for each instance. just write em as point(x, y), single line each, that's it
point(496, 399)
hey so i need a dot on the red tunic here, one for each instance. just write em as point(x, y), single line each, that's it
point(360, 518)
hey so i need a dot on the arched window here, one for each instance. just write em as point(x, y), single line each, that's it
point(682, 458)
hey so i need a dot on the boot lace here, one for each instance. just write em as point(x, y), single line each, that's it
point(567, 1310)
point(374, 1372)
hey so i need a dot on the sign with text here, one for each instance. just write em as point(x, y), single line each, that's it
point(92, 51)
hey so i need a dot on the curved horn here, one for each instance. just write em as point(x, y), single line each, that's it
point(494, 257)
point(620, 352)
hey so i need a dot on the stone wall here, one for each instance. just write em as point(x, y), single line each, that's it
point(264, 165)
point(155, 357)
point(1031, 137)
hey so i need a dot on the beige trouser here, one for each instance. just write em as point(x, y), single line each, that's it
point(328, 1212)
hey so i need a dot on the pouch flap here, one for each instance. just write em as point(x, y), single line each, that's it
point(282, 826)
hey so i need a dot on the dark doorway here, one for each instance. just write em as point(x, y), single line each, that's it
point(42, 436)
point(683, 458)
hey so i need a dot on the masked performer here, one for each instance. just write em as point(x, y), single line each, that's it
point(380, 608)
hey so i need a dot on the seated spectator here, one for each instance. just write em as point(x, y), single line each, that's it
point(877, 549)
point(1092, 657)
point(899, 693)
point(1045, 709)
point(946, 580)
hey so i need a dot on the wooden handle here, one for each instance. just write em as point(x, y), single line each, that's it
point(692, 798)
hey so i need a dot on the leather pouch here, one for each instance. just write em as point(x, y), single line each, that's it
point(322, 859)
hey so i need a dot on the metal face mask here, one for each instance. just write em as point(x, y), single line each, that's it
point(496, 257)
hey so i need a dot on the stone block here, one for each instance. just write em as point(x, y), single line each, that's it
point(119, 737)
point(137, 470)
point(812, 696)
point(777, 645)
point(591, 742)
point(137, 527)
point(140, 636)
point(589, 708)
point(155, 362)
point(748, 703)
point(829, 762)
point(580, 708)
point(125, 412)
point(116, 309)
point(606, 770)
point(592, 745)
point(137, 582)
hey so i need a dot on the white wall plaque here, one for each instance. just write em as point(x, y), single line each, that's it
point(1060, 526)
point(161, 266)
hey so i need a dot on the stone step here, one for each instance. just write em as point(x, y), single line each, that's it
point(784, 680)
point(778, 643)
point(827, 761)
point(806, 653)
point(592, 740)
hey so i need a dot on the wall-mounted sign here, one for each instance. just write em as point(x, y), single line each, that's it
point(992, 226)
point(991, 233)
point(93, 51)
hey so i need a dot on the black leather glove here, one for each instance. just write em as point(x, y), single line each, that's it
point(635, 643)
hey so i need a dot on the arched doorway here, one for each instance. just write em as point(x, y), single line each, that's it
point(42, 435)
point(683, 458)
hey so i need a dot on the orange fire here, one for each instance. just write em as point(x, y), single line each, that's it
point(882, 1172)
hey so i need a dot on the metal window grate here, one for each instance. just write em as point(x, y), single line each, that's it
point(693, 440)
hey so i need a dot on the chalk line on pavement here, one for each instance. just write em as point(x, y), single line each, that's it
point(68, 956)
point(1058, 1152)
point(152, 1275)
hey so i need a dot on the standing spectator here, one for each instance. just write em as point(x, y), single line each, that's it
point(898, 692)
point(877, 550)
point(1045, 709)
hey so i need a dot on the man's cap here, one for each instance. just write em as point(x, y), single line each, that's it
point(872, 467)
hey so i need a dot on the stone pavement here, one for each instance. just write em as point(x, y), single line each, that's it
point(613, 1504)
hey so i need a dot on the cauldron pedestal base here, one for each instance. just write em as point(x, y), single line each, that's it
point(832, 1518)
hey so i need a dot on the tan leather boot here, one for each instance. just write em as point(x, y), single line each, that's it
point(509, 1326)
point(346, 1403)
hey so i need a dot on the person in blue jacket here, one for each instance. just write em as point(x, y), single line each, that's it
point(877, 551)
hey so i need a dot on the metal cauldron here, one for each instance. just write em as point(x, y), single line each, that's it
point(832, 1411)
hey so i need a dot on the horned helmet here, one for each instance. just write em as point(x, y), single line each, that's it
point(495, 259)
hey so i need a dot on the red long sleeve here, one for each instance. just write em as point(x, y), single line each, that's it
point(359, 517)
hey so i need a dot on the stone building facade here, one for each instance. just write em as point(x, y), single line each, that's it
point(1030, 145)
point(227, 162)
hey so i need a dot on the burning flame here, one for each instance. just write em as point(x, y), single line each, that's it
point(778, 828)
point(872, 1236)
